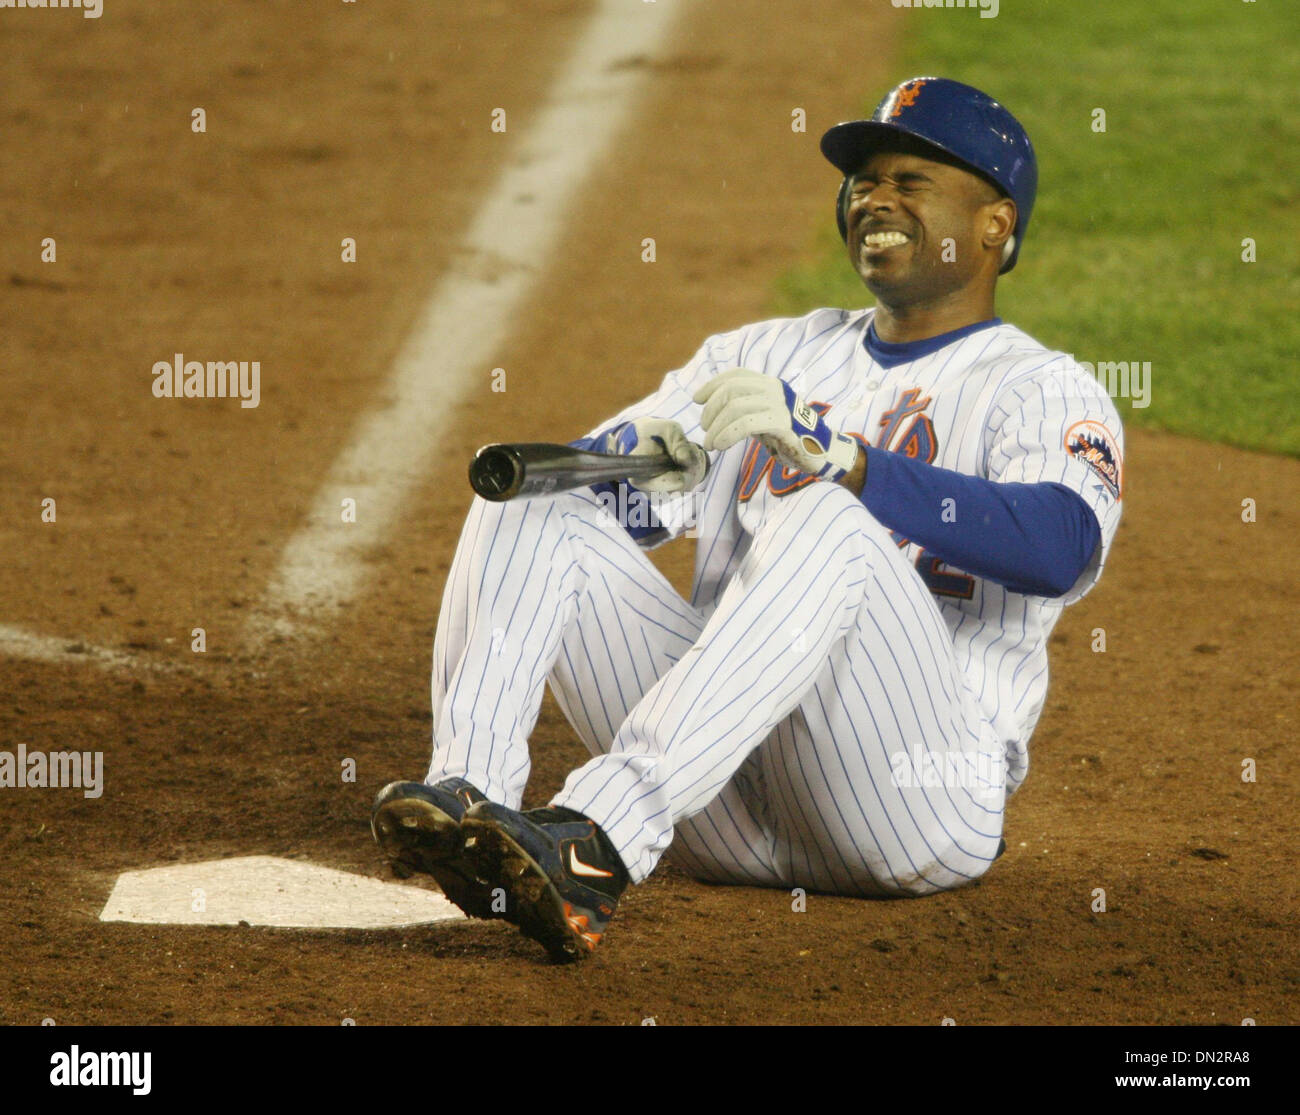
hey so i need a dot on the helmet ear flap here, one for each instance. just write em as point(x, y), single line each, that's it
point(841, 204)
point(1008, 250)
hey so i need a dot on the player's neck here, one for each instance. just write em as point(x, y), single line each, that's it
point(922, 320)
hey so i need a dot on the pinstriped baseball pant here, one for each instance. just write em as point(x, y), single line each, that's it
point(814, 730)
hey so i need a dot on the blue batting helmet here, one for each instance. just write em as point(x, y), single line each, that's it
point(968, 125)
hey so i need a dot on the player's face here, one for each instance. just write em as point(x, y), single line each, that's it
point(920, 229)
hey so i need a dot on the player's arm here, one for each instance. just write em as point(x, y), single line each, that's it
point(856, 477)
point(1035, 539)
point(1061, 428)
point(1042, 517)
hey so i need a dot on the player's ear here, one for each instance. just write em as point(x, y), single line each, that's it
point(999, 222)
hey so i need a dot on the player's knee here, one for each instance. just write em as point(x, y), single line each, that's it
point(492, 511)
point(836, 507)
point(830, 495)
point(833, 520)
point(518, 510)
point(821, 505)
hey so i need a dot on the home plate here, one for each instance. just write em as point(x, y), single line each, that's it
point(267, 890)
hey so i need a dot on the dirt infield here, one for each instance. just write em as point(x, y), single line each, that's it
point(373, 123)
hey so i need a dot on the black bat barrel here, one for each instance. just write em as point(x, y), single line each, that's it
point(511, 471)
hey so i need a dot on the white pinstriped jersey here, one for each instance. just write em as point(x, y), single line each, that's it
point(993, 403)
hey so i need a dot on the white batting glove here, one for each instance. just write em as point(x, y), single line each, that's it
point(740, 404)
point(658, 435)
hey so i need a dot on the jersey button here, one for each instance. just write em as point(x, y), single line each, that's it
point(873, 384)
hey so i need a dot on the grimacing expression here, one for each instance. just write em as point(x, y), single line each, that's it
point(902, 207)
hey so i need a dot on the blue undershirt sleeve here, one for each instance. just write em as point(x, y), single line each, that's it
point(1034, 539)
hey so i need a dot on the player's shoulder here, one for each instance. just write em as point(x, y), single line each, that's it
point(754, 343)
point(1020, 363)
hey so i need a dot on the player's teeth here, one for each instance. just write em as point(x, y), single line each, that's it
point(883, 239)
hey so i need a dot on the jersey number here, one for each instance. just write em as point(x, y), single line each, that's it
point(940, 581)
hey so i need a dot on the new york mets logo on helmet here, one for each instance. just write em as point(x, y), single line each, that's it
point(907, 95)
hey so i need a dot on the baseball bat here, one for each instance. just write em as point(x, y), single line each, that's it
point(512, 471)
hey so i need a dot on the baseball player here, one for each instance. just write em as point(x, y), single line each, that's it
point(893, 506)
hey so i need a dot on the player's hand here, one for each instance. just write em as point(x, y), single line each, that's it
point(741, 404)
point(658, 435)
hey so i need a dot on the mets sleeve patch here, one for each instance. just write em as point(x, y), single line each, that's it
point(1093, 444)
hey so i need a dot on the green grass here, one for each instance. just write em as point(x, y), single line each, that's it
point(1134, 250)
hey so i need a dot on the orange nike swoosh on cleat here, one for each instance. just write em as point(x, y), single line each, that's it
point(578, 923)
point(579, 868)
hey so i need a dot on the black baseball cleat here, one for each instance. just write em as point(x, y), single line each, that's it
point(561, 874)
point(418, 829)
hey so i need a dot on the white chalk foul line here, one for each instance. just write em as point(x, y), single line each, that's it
point(468, 315)
point(17, 643)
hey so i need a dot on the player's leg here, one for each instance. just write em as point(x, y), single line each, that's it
point(552, 587)
point(886, 778)
point(546, 588)
point(817, 562)
point(732, 839)
point(629, 629)
point(797, 589)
